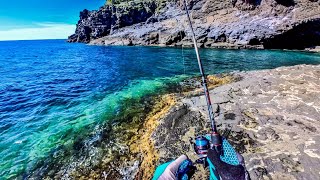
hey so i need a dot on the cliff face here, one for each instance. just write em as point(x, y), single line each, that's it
point(100, 23)
point(285, 24)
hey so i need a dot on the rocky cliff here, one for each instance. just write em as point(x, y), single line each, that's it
point(279, 24)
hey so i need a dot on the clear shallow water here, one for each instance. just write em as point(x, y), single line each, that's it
point(52, 92)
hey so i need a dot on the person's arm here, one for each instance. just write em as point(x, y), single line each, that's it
point(228, 165)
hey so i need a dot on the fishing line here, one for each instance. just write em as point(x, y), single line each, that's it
point(182, 53)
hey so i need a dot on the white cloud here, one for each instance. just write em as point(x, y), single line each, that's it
point(42, 31)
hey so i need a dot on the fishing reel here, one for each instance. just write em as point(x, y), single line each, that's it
point(202, 144)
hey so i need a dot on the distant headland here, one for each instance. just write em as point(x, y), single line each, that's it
point(259, 24)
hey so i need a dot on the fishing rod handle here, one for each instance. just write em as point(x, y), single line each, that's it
point(216, 141)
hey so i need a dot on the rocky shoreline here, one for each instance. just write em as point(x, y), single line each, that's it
point(121, 147)
point(258, 24)
point(270, 116)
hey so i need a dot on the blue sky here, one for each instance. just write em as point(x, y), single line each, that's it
point(46, 19)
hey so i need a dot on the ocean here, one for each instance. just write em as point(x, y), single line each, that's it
point(52, 93)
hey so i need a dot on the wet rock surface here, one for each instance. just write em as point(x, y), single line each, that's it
point(271, 117)
point(271, 24)
point(115, 150)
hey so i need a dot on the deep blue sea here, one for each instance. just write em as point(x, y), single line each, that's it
point(52, 91)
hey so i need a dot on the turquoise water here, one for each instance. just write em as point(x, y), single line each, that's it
point(52, 92)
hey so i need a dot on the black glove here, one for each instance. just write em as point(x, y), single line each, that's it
point(224, 170)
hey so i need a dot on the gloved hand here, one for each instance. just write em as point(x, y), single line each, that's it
point(179, 169)
point(227, 164)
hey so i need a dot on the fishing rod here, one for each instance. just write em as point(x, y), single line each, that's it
point(200, 144)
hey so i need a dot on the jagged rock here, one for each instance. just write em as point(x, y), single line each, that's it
point(100, 23)
point(153, 38)
point(271, 24)
point(306, 34)
point(175, 37)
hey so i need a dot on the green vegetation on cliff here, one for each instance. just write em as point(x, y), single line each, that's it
point(124, 3)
